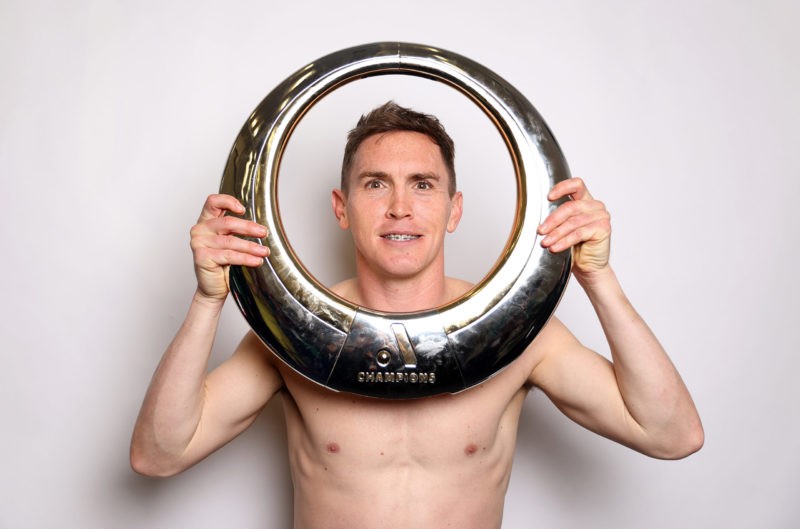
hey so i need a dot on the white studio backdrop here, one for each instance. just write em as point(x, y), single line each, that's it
point(116, 119)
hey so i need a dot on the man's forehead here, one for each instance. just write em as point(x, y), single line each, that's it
point(379, 137)
point(406, 144)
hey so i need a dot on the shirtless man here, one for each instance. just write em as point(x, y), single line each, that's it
point(440, 461)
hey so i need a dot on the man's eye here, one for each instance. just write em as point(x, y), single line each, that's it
point(374, 184)
point(424, 184)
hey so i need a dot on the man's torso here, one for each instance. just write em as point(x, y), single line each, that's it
point(433, 462)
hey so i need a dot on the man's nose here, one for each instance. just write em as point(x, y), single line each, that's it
point(399, 205)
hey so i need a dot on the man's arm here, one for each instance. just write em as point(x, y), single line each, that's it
point(188, 413)
point(638, 399)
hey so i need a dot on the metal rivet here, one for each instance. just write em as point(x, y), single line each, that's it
point(383, 357)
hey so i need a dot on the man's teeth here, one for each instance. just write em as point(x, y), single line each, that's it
point(399, 237)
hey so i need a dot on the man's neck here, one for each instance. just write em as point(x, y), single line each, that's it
point(400, 294)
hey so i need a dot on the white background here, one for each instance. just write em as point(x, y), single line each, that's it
point(115, 123)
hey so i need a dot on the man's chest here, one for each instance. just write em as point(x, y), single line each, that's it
point(442, 429)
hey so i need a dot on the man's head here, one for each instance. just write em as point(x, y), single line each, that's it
point(391, 117)
point(398, 196)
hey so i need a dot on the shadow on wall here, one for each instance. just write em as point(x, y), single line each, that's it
point(551, 455)
point(245, 484)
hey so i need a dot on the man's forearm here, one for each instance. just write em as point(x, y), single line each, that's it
point(653, 391)
point(173, 404)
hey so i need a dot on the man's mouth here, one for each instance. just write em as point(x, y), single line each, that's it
point(400, 237)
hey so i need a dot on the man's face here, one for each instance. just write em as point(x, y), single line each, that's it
point(398, 207)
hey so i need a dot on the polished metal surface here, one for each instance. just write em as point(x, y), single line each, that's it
point(398, 355)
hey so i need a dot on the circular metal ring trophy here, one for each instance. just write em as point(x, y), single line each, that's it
point(397, 355)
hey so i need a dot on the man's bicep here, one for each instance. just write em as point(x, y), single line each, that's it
point(582, 384)
point(235, 392)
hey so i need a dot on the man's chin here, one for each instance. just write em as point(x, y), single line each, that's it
point(398, 272)
point(396, 268)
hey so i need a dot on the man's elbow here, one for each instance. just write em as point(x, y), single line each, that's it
point(680, 446)
point(146, 465)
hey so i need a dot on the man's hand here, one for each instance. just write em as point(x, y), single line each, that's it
point(215, 245)
point(582, 223)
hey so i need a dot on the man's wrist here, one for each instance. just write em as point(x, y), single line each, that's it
point(207, 301)
point(594, 279)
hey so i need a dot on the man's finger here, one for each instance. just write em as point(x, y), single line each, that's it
point(217, 205)
point(235, 226)
point(228, 242)
point(567, 210)
point(572, 187)
point(210, 258)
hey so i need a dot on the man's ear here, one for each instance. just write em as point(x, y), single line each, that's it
point(339, 204)
point(456, 208)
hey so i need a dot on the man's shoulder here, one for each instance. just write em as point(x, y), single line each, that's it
point(252, 345)
point(457, 287)
point(554, 340)
point(554, 334)
point(346, 289)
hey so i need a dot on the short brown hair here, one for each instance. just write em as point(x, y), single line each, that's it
point(391, 117)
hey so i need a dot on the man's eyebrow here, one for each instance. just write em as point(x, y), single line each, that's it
point(372, 174)
point(426, 176)
point(415, 176)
